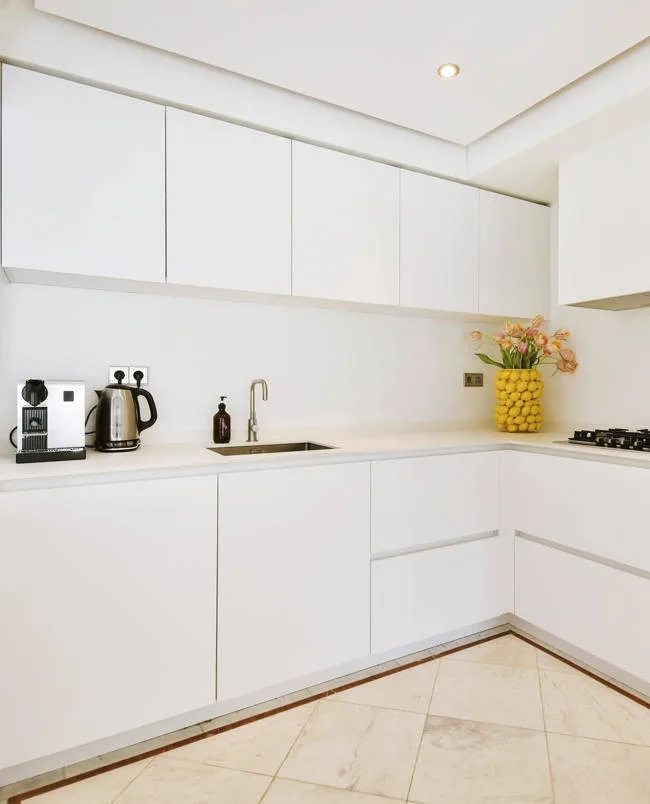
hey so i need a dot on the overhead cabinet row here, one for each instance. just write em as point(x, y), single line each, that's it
point(97, 184)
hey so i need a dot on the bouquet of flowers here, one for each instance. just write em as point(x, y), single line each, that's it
point(527, 347)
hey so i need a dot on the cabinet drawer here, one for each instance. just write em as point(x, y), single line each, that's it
point(597, 608)
point(419, 596)
point(418, 501)
point(600, 508)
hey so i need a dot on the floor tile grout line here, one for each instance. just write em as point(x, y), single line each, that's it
point(137, 776)
point(290, 749)
point(338, 789)
point(213, 766)
point(548, 748)
point(424, 726)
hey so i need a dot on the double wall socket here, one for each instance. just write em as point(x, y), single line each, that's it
point(129, 371)
point(473, 379)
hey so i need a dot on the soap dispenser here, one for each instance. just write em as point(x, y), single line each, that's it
point(221, 424)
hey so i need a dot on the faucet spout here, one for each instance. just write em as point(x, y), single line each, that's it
point(253, 429)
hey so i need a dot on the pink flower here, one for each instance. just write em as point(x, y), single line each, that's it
point(499, 338)
point(523, 347)
point(475, 336)
point(568, 355)
point(561, 334)
point(541, 340)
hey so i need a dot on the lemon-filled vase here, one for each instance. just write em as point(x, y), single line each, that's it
point(519, 408)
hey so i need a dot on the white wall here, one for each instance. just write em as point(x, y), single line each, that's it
point(612, 385)
point(324, 367)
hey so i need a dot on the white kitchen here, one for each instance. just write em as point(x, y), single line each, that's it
point(323, 402)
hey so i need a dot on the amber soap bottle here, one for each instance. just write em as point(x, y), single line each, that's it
point(221, 424)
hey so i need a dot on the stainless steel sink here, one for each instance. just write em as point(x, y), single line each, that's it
point(261, 449)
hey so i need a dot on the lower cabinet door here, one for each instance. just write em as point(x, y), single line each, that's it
point(595, 607)
point(107, 610)
point(294, 574)
point(418, 596)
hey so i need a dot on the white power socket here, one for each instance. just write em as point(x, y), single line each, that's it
point(129, 371)
point(145, 375)
point(113, 369)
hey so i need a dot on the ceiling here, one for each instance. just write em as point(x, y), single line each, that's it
point(379, 57)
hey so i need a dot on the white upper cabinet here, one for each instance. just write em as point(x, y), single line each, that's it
point(345, 227)
point(83, 179)
point(603, 232)
point(228, 205)
point(514, 256)
point(438, 243)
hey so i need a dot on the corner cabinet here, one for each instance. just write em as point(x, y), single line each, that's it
point(228, 205)
point(83, 179)
point(345, 227)
point(603, 223)
point(294, 574)
point(514, 257)
point(108, 600)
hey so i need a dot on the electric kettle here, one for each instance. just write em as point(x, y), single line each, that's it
point(119, 421)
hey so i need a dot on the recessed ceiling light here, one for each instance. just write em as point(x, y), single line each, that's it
point(448, 70)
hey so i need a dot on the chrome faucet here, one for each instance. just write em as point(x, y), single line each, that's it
point(252, 418)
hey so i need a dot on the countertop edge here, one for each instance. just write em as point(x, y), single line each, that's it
point(187, 468)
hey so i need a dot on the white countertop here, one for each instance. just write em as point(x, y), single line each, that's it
point(175, 460)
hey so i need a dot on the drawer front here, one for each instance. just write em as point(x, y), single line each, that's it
point(420, 501)
point(600, 508)
point(419, 596)
point(595, 607)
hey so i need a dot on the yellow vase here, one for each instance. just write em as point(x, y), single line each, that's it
point(518, 408)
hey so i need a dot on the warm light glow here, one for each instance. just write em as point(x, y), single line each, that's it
point(448, 70)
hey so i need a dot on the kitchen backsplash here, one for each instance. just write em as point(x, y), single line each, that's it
point(324, 367)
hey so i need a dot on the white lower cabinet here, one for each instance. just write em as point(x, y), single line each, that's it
point(597, 608)
point(294, 578)
point(417, 596)
point(107, 610)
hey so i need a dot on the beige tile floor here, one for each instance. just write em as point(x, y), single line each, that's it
point(497, 723)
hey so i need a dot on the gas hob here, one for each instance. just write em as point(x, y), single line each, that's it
point(613, 438)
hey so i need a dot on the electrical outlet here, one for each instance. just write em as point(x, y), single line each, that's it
point(473, 379)
point(145, 375)
point(113, 369)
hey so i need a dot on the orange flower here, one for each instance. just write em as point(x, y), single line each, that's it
point(541, 340)
point(567, 366)
point(561, 334)
point(556, 345)
point(536, 322)
point(568, 355)
point(506, 344)
point(475, 336)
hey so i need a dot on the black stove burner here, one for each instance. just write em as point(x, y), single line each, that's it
point(614, 438)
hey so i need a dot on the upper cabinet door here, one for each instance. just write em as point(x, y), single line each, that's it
point(83, 179)
point(228, 205)
point(514, 256)
point(345, 227)
point(603, 233)
point(438, 243)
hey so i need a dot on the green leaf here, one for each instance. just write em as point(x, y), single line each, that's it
point(488, 360)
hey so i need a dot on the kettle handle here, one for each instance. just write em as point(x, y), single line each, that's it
point(152, 407)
